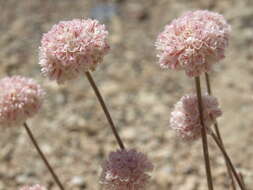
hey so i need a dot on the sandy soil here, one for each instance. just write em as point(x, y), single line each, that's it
point(71, 127)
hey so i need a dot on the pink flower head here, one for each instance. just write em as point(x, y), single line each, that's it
point(126, 170)
point(71, 48)
point(193, 42)
point(20, 98)
point(35, 187)
point(185, 116)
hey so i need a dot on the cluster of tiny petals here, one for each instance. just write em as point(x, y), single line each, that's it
point(126, 170)
point(193, 42)
point(20, 98)
point(35, 187)
point(71, 48)
point(185, 118)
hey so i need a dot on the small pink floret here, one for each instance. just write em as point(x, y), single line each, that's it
point(193, 42)
point(72, 48)
point(185, 116)
point(35, 187)
point(20, 99)
point(126, 170)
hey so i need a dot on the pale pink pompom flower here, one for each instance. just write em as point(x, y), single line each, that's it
point(20, 99)
point(72, 48)
point(185, 116)
point(35, 187)
point(193, 42)
point(126, 170)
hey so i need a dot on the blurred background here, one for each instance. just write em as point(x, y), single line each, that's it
point(71, 128)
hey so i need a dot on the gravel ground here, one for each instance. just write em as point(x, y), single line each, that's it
point(71, 127)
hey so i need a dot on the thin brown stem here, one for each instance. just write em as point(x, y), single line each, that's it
point(208, 84)
point(203, 135)
point(43, 157)
point(229, 170)
point(107, 114)
point(217, 141)
point(217, 131)
point(242, 180)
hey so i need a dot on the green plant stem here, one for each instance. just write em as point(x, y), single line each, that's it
point(43, 157)
point(104, 107)
point(203, 135)
point(217, 131)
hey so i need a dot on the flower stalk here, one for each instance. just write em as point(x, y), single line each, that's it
point(43, 157)
point(237, 177)
point(203, 135)
point(217, 131)
point(104, 107)
point(242, 180)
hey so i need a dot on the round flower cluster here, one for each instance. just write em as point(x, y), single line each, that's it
point(71, 48)
point(126, 170)
point(185, 116)
point(193, 42)
point(35, 187)
point(20, 98)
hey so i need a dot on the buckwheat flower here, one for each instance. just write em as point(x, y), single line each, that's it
point(72, 48)
point(185, 116)
point(126, 170)
point(20, 99)
point(193, 42)
point(35, 187)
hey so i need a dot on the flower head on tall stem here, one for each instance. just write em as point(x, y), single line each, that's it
point(126, 170)
point(20, 99)
point(185, 118)
point(35, 187)
point(193, 42)
point(72, 48)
